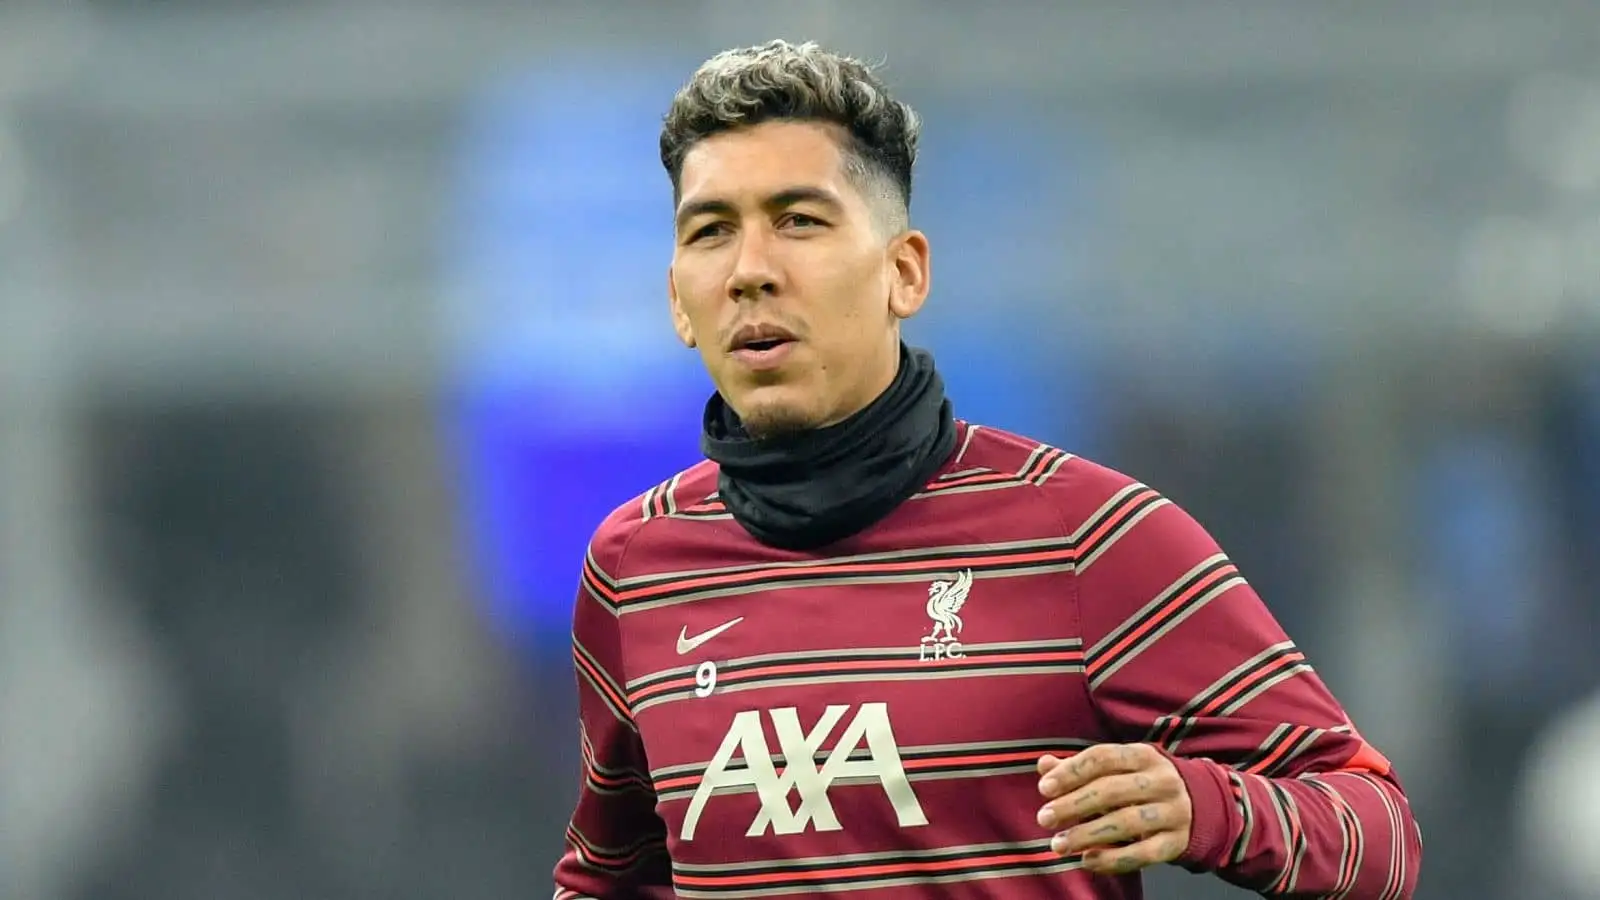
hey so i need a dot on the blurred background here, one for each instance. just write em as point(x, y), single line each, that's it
point(299, 302)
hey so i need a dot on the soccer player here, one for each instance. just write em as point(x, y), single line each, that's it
point(868, 649)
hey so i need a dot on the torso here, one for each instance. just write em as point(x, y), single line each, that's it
point(923, 666)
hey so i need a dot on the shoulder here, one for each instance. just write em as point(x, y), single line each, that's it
point(684, 492)
point(1092, 506)
point(1077, 489)
point(1128, 541)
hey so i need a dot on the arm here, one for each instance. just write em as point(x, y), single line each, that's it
point(1286, 797)
point(616, 844)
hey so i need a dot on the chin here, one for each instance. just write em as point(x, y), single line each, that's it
point(767, 414)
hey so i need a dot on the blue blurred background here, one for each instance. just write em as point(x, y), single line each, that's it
point(302, 303)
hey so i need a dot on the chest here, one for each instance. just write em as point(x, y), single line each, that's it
point(858, 703)
point(800, 636)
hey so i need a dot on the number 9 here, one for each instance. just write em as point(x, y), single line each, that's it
point(705, 679)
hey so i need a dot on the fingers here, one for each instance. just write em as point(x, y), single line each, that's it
point(1061, 776)
point(1124, 826)
point(1109, 793)
point(1122, 806)
point(1046, 763)
point(1150, 851)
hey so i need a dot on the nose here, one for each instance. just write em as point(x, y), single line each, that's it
point(754, 274)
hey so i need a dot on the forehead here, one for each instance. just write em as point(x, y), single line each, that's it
point(767, 157)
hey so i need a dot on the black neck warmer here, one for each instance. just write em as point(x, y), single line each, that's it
point(811, 489)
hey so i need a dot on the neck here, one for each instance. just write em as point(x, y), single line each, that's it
point(823, 485)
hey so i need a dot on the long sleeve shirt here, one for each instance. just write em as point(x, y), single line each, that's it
point(864, 721)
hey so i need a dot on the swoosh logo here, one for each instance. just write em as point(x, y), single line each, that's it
point(687, 644)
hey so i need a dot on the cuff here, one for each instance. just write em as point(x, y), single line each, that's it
point(1216, 819)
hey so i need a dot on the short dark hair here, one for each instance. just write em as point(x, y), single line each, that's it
point(800, 82)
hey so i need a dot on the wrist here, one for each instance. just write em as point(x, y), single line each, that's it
point(1214, 818)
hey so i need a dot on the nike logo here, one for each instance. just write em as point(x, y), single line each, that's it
point(687, 644)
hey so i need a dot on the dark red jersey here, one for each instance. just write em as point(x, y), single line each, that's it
point(864, 721)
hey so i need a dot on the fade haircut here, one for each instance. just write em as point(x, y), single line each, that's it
point(779, 81)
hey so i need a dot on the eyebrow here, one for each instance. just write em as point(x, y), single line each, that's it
point(781, 200)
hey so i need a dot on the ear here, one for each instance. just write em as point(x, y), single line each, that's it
point(909, 287)
point(680, 319)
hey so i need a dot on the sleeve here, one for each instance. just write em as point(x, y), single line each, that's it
point(1180, 652)
point(616, 843)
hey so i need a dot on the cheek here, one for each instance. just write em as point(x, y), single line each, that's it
point(695, 303)
point(864, 301)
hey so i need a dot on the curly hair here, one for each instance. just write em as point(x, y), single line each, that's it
point(779, 80)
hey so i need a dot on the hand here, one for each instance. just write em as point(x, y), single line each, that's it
point(1123, 806)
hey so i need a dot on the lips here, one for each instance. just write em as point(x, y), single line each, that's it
point(761, 338)
point(762, 348)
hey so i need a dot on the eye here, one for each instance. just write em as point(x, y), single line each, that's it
point(800, 220)
point(710, 230)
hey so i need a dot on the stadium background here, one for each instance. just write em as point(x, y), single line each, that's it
point(299, 300)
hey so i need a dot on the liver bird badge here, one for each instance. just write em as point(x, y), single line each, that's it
point(945, 599)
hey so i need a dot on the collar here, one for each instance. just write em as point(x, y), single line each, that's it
point(808, 490)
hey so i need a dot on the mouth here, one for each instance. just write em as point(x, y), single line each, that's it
point(762, 346)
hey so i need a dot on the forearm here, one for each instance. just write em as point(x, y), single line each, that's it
point(1346, 833)
point(1288, 798)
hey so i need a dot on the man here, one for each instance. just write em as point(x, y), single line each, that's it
point(867, 649)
